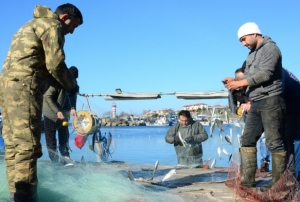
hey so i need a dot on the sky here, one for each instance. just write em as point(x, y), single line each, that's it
point(161, 45)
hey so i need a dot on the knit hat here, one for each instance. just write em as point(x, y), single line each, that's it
point(74, 71)
point(248, 28)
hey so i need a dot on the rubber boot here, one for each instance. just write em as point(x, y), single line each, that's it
point(25, 192)
point(278, 168)
point(248, 166)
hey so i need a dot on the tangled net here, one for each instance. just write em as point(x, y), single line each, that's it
point(285, 189)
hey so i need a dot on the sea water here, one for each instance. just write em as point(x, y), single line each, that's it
point(138, 145)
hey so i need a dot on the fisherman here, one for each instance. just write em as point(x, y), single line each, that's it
point(239, 102)
point(34, 61)
point(187, 135)
point(57, 107)
point(263, 75)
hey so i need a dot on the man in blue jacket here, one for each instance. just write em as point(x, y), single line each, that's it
point(263, 75)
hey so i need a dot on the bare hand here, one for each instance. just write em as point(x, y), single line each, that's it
point(233, 85)
point(73, 112)
point(246, 106)
point(60, 115)
point(227, 79)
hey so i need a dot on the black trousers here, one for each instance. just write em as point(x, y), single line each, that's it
point(265, 115)
point(51, 142)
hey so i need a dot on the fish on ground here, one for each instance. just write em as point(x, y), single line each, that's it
point(213, 164)
point(230, 156)
point(155, 169)
point(169, 174)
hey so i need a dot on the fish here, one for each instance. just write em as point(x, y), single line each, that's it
point(239, 139)
point(92, 146)
point(169, 174)
point(221, 137)
point(225, 151)
point(230, 156)
point(82, 159)
point(155, 169)
point(227, 117)
point(230, 131)
point(109, 139)
point(213, 164)
point(212, 128)
point(219, 152)
point(219, 124)
point(228, 139)
point(181, 139)
point(130, 176)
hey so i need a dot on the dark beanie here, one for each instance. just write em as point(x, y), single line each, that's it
point(74, 71)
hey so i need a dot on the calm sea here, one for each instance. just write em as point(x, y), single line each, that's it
point(146, 145)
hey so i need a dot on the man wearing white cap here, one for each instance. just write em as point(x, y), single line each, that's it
point(263, 75)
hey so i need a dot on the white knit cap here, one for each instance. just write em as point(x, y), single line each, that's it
point(248, 28)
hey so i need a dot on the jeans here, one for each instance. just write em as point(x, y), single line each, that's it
point(264, 151)
point(265, 116)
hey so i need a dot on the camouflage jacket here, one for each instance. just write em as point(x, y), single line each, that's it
point(36, 56)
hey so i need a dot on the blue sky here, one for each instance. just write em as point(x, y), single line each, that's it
point(161, 45)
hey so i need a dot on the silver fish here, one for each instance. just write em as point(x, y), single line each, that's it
point(155, 169)
point(130, 176)
point(181, 139)
point(220, 135)
point(225, 151)
point(228, 139)
point(239, 139)
point(219, 124)
point(219, 152)
point(230, 130)
point(227, 117)
point(109, 139)
point(230, 157)
point(82, 159)
point(212, 127)
point(213, 164)
point(169, 174)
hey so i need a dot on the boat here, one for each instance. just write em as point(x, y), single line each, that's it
point(159, 122)
point(202, 119)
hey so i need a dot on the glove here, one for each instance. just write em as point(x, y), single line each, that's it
point(176, 140)
point(189, 139)
point(74, 91)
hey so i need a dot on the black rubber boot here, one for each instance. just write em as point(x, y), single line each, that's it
point(278, 168)
point(248, 166)
point(25, 192)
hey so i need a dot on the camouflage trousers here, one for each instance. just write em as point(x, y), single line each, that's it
point(22, 111)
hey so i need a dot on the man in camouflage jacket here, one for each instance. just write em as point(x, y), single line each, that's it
point(34, 61)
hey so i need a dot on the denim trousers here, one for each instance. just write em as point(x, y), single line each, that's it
point(267, 116)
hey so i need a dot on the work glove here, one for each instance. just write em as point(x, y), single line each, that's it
point(189, 139)
point(74, 91)
point(177, 140)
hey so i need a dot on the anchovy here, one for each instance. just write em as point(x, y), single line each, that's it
point(230, 157)
point(212, 127)
point(181, 139)
point(109, 139)
point(219, 152)
point(155, 169)
point(130, 176)
point(169, 174)
point(225, 151)
point(239, 139)
point(92, 146)
point(213, 164)
point(228, 139)
point(227, 117)
point(82, 159)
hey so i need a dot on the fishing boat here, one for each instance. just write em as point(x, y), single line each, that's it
point(159, 122)
point(202, 119)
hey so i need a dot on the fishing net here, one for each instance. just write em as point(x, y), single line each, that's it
point(285, 189)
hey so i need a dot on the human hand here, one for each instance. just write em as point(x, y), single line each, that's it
point(176, 140)
point(246, 106)
point(232, 85)
point(73, 112)
point(227, 79)
point(189, 139)
point(60, 115)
